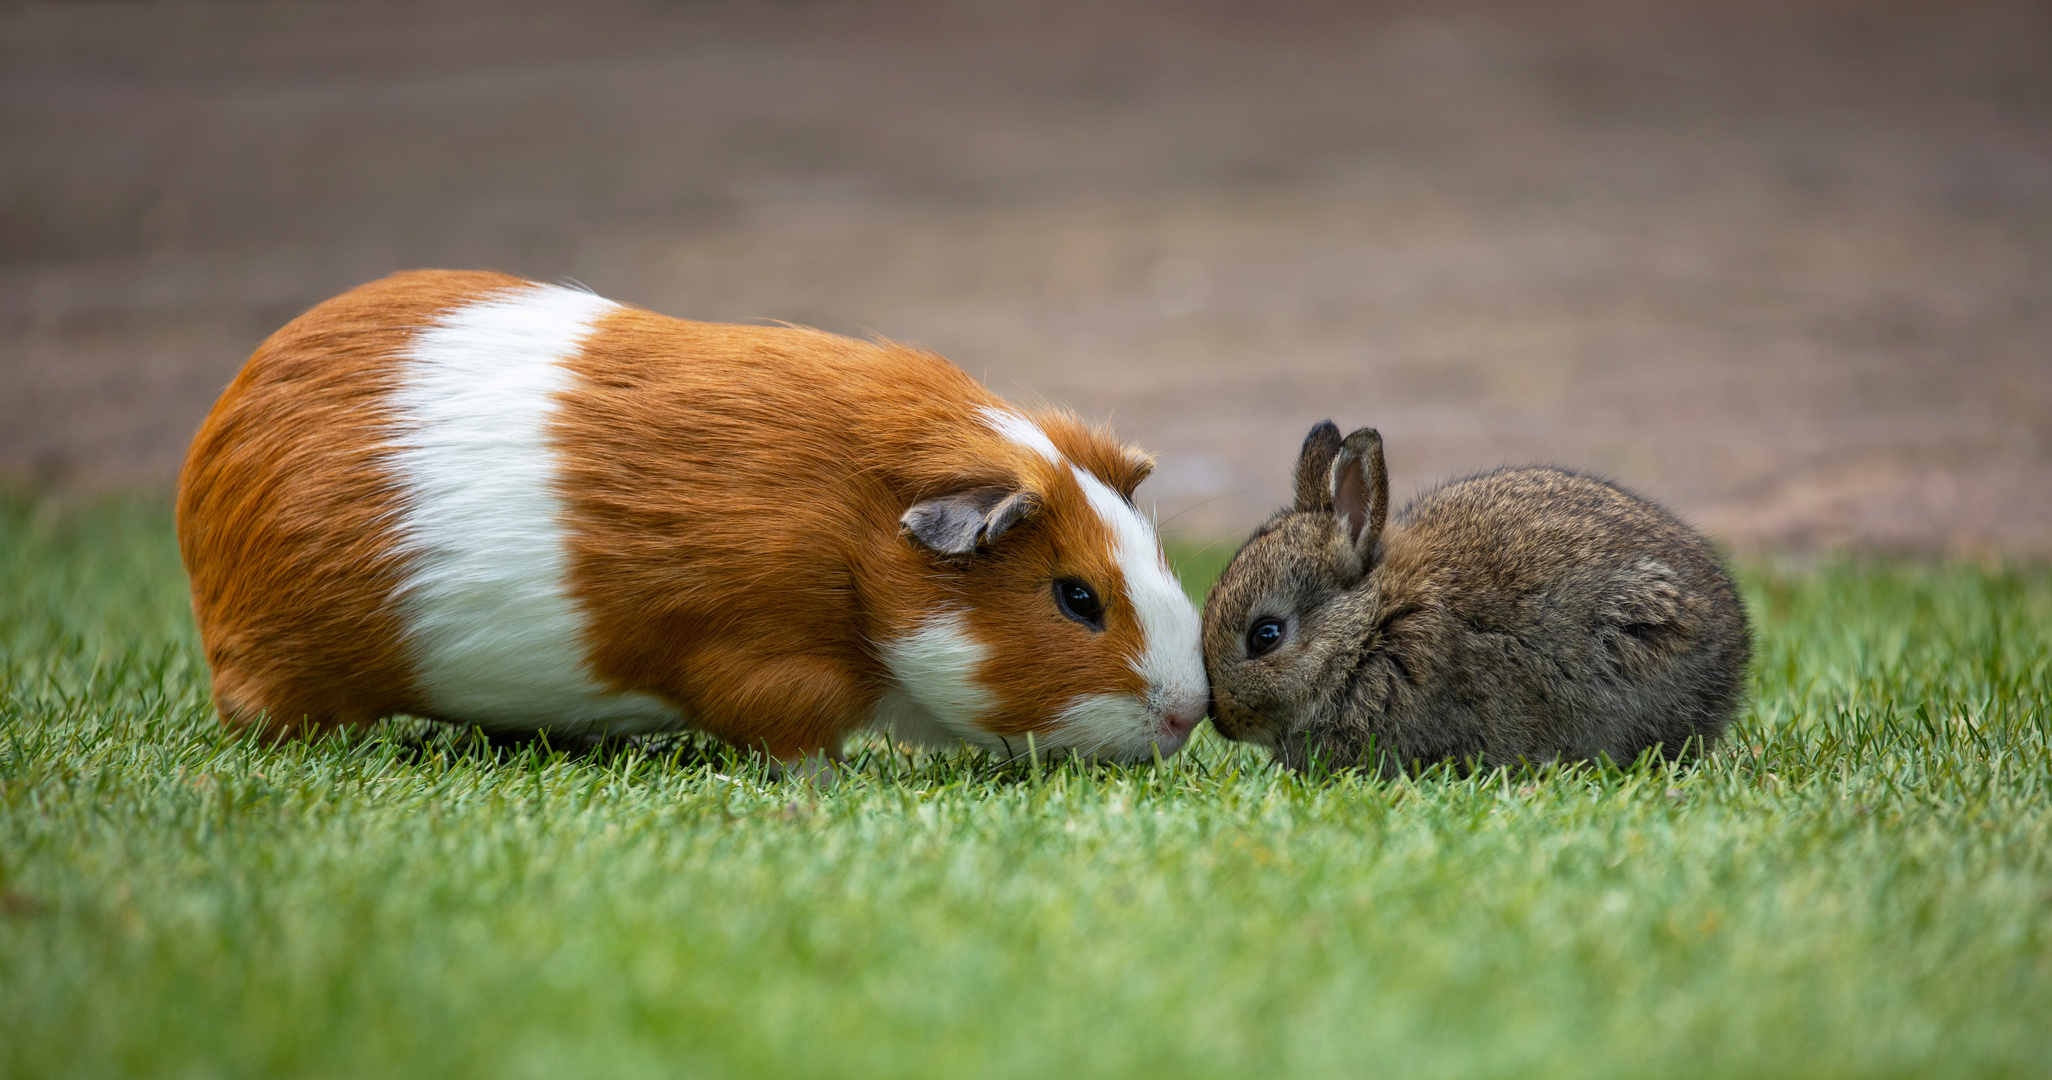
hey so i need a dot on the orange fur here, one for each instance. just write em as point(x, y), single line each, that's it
point(735, 494)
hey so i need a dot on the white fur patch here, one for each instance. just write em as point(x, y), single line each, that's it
point(1172, 657)
point(1019, 429)
point(1172, 660)
point(938, 700)
point(497, 640)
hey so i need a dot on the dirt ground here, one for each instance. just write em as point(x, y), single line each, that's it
point(1786, 265)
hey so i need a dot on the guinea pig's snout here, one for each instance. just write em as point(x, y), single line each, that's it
point(1179, 723)
point(1179, 714)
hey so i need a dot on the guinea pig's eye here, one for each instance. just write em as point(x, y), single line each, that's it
point(1079, 602)
point(1263, 637)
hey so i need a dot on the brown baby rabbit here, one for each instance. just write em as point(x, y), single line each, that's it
point(1523, 615)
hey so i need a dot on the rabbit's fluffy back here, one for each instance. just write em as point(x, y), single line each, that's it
point(1526, 614)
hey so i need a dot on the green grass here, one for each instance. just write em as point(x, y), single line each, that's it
point(1858, 883)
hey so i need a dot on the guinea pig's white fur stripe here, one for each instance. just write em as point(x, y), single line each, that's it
point(1172, 661)
point(1019, 429)
point(938, 698)
point(496, 637)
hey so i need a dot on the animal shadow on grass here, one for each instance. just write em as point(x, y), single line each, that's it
point(1652, 767)
point(418, 741)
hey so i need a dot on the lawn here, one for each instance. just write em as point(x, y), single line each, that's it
point(1857, 883)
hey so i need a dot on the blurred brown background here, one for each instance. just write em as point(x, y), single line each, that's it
point(1785, 264)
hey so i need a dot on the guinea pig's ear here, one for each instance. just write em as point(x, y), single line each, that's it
point(1314, 468)
point(953, 524)
point(1135, 465)
point(1360, 491)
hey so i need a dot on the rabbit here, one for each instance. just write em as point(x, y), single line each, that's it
point(1524, 615)
point(482, 500)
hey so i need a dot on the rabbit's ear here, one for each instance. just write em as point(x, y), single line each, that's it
point(1360, 491)
point(1314, 468)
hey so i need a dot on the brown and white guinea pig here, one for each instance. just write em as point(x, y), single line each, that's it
point(482, 500)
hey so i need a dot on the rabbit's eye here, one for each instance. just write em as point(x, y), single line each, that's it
point(1079, 602)
point(1263, 637)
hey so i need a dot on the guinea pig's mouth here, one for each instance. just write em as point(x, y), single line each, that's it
point(1119, 727)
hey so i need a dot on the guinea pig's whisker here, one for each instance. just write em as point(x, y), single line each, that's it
point(1164, 522)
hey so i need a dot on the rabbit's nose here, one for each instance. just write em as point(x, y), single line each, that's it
point(1220, 722)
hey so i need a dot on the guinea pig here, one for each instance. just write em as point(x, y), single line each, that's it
point(482, 500)
point(1522, 615)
